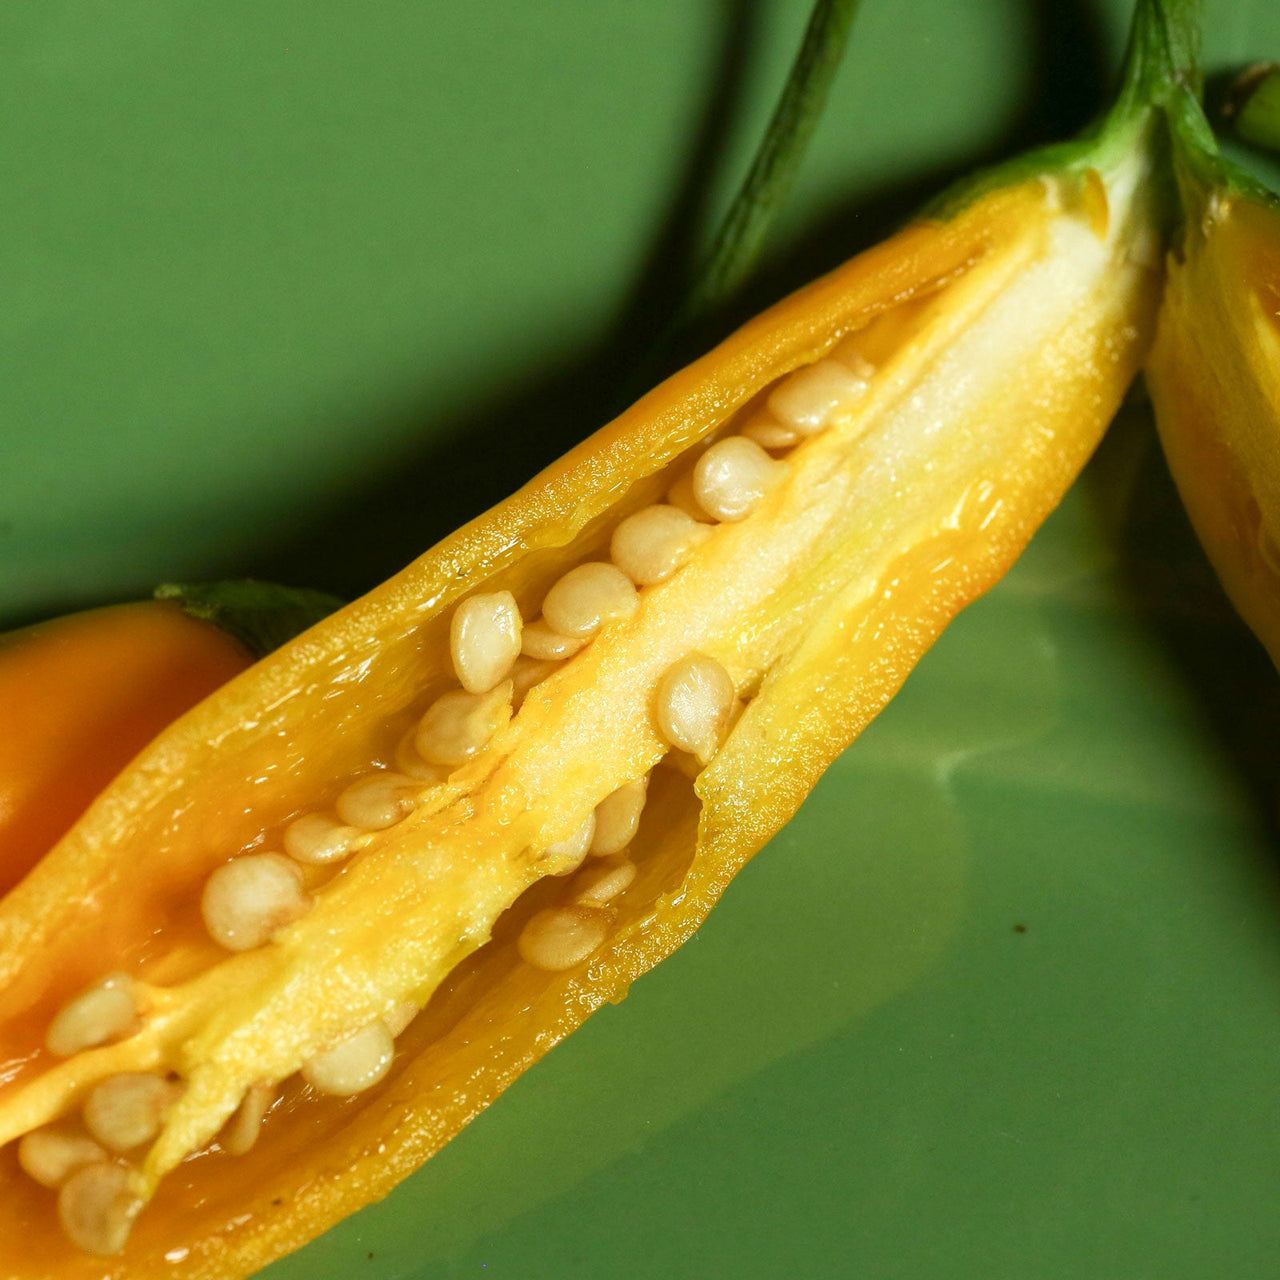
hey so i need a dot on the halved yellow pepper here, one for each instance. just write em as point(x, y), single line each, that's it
point(995, 344)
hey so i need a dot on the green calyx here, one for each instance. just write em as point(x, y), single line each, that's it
point(1201, 168)
point(261, 615)
point(1161, 64)
point(1163, 70)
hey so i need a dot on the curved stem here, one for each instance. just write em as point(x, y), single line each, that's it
point(1163, 56)
point(768, 183)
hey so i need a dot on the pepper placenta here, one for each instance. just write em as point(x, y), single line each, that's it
point(346, 901)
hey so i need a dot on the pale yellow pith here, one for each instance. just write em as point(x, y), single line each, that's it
point(906, 466)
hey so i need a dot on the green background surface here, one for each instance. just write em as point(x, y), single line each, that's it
point(290, 288)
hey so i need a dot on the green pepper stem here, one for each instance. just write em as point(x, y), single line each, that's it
point(1201, 169)
point(1163, 57)
point(737, 245)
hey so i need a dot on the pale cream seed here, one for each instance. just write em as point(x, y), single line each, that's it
point(681, 496)
point(733, 476)
point(526, 673)
point(317, 840)
point(567, 855)
point(562, 937)
point(355, 1063)
point(400, 1017)
point(100, 1013)
point(811, 398)
point(588, 598)
point(618, 817)
point(412, 765)
point(97, 1207)
point(769, 433)
point(51, 1156)
point(458, 724)
point(377, 801)
point(599, 883)
point(694, 703)
point(241, 1132)
point(539, 641)
point(849, 355)
point(248, 899)
point(652, 544)
point(484, 639)
point(124, 1111)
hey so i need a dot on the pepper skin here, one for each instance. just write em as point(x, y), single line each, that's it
point(1214, 375)
point(82, 695)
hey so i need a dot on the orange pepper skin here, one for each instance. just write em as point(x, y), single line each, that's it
point(80, 696)
point(990, 400)
point(1214, 376)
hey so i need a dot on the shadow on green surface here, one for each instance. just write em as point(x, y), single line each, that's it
point(1172, 588)
point(364, 535)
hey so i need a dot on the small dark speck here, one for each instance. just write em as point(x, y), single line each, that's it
point(369, 1255)
point(277, 1202)
point(1019, 928)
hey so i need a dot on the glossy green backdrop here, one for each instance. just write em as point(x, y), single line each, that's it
point(290, 288)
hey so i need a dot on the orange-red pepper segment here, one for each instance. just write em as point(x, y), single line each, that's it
point(82, 695)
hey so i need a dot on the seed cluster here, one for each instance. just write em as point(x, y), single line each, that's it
point(83, 1161)
point(497, 658)
point(51, 1156)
